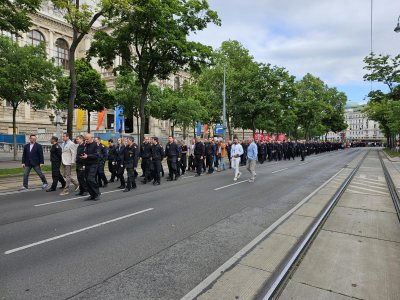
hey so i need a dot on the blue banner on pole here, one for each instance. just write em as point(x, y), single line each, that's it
point(219, 129)
point(119, 119)
point(199, 126)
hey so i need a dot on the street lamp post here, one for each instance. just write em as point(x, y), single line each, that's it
point(397, 28)
point(58, 119)
point(224, 105)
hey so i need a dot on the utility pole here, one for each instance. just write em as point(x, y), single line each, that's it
point(224, 124)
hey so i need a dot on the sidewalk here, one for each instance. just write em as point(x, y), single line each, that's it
point(357, 252)
point(356, 255)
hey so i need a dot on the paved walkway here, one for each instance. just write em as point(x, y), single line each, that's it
point(356, 255)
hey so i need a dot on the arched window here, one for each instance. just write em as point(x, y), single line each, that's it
point(62, 52)
point(34, 38)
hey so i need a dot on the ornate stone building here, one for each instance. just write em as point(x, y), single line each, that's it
point(50, 27)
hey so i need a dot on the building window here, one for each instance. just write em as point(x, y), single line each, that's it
point(177, 83)
point(8, 34)
point(34, 38)
point(41, 130)
point(62, 53)
point(147, 125)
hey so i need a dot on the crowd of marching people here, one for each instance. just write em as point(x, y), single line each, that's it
point(89, 156)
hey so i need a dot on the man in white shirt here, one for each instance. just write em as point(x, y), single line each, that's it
point(236, 152)
point(68, 159)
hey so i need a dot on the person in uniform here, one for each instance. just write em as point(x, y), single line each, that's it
point(145, 154)
point(130, 163)
point(80, 166)
point(55, 159)
point(101, 176)
point(198, 152)
point(184, 152)
point(90, 157)
point(210, 151)
point(173, 155)
point(111, 159)
point(157, 154)
point(119, 158)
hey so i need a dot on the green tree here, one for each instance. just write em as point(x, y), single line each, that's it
point(382, 106)
point(14, 14)
point(92, 92)
point(82, 17)
point(180, 107)
point(26, 76)
point(153, 41)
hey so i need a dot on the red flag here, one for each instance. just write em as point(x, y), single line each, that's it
point(100, 118)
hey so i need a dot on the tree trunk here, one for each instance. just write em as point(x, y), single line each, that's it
point(88, 121)
point(143, 98)
point(73, 84)
point(137, 124)
point(184, 132)
point(14, 122)
point(243, 134)
point(229, 129)
point(194, 132)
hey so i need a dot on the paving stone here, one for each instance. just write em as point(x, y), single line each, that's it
point(373, 224)
point(295, 291)
point(359, 267)
point(242, 282)
point(269, 253)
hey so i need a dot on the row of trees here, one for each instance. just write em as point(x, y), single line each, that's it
point(384, 106)
point(150, 37)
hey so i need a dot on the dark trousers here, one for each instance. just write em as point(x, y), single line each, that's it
point(302, 154)
point(91, 182)
point(191, 165)
point(183, 163)
point(199, 164)
point(171, 161)
point(210, 163)
point(101, 176)
point(130, 184)
point(113, 170)
point(56, 175)
point(120, 174)
point(38, 171)
point(146, 166)
point(156, 169)
point(81, 179)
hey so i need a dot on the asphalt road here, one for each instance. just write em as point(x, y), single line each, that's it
point(152, 243)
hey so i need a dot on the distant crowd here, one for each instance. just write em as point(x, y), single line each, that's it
point(89, 155)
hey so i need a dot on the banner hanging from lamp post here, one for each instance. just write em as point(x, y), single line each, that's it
point(100, 118)
point(119, 119)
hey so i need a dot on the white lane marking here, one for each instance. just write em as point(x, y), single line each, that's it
point(369, 185)
point(370, 190)
point(230, 262)
point(225, 186)
point(76, 231)
point(20, 192)
point(372, 184)
point(279, 170)
point(70, 199)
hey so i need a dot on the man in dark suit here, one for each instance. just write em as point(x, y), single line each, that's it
point(32, 157)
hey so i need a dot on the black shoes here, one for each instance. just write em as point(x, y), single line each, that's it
point(50, 190)
point(126, 190)
point(121, 187)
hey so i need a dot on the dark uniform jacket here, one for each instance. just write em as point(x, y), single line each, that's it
point(55, 153)
point(111, 153)
point(157, 152)
point(92, 151)
point(172, 150)
point(145, 150)
point(129, 158)
point(102, 153)
point(119, 153)
point(199, 149)
point(79, 161)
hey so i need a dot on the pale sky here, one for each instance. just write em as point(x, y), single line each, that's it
point(328, 39)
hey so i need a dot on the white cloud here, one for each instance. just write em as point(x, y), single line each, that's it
point(326, 38)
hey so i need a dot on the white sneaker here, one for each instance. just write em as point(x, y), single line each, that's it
point(23, 189)
point(240, 174)
point(251, 180)
point(45, 186)
point(235, 179)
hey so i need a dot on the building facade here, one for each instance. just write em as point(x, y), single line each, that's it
point(359, 127)
point(50, 28)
